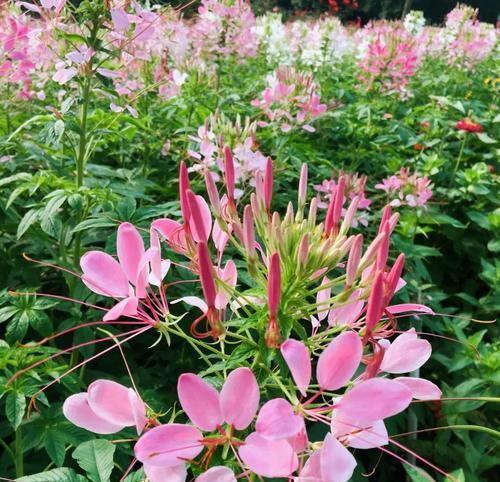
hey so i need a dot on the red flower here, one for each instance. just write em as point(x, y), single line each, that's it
point(468, 126)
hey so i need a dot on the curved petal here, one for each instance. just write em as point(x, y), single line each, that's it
point(126, 307)
point(256, 454)
point(375, 399)
point(193, 301)
point(312, 468)
point(348, 313)
point(169, 445)
point(277, 420)
point(163, 474)
point(166, 227)
point(217, 474)
point(322, 300)
point(339, 361)
point(298, 360)
point(130, 250)
point(77, 410)
point(337, 463)
point(103, 275)
point(110, 400)
point(409, 308)
point(138, 410)
point(421, 388)
point(406, 353)
point(228, 276)
point(239, 398)
point(200, 401)
point(370, 437)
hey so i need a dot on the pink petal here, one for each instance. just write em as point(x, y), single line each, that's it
point(298, 360)
point(217, 474)
point(370, 437)
point(130, 250)
point(163, 474)
point(322, 300)
point(103, 274)
point(138, 410)
point(77, 410)
point(229, 277)
point(337, 463)
point(239, 398)
point(277, 420)
point(126, 307)
point(406, 353)
point(312, 468)
point(200, 401)
point(268, 458)
point(375, 399)
point(120, 19)
point(339, 361)
point(169, 445)
point(421, 388)
point(348, 313)
point(167, 227)
point(409, 308)
point(193, 301)
point(110, 400)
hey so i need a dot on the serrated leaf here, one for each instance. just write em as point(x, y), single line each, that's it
point(15, 405)
point(28, 219)
point(56, 475)
point(96, 458)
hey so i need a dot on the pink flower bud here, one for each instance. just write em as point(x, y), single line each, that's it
point(213, 194)
point(303, 251)
point(206, 274)
point(394, 276)
point(200, 219)
point(337, 207)
point(383, 251)
point(349, 215)
point(313, 209)
point(248, 232)
point(303, 185)
point(353, 260)
point(371, 251)
point(386, 214)
point(274, 284)
point(184, 186)
point(393, 220)
point(375, 304)
point(268, 185)
point(229, 174)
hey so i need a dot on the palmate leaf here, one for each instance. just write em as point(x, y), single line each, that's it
point(96, 458)
point(56, 475)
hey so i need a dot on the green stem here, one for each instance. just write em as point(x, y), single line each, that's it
point(19, 452)
point(459, 158)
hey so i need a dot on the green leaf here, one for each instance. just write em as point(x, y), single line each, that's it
point(7, 312)
point(56, 475)
point(17, 327)
point(54, 445)
point(96, 458)
point(457, 475)
point(417, 475)
point(126, 208)
point(15, 405)
point(28, 219)
point(483, 137)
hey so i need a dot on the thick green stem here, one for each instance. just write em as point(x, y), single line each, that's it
point(19, 452)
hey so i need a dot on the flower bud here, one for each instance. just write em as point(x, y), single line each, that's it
point(353, 260)
point(268, 184)
point(213, 194)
